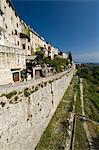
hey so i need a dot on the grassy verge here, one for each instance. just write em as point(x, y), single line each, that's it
point(91, 100)
point(80, 142)
point(94, 131)
point(78, 101)
point(55, 135)
point(90, 75)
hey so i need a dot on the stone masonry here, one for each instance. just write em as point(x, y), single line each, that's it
point(27, 108)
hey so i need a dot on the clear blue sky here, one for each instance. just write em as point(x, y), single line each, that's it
point(68, 25)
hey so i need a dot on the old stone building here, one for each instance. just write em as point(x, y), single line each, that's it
point(18, 40)
point(12, 61)
point(12, 56)
point(36, 41)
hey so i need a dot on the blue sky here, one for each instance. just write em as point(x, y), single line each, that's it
point(68, 25)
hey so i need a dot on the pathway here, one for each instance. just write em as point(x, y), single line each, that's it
point(83, 113)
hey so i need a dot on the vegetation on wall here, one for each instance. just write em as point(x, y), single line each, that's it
point(26, 31)
point(39, 52)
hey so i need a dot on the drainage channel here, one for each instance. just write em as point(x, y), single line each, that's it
point(72, 127)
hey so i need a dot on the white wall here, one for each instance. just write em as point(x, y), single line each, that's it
point(65, 55)
point(22, 122)
point(10, 21)
point(10, 58)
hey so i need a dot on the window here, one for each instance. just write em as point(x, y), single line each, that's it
point(28, 47)
point(12, 32)
point(6, 27)
point(23, 45)
point(5, 10)
point(18, 42)
point(17, 24)
point(15, 32)
point(28, 40)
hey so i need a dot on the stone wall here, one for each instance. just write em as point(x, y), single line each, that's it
point(26, 109)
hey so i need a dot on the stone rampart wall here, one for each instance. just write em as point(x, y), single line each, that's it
point(27, 108)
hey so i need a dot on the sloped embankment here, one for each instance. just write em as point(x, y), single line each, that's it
point(56, 134)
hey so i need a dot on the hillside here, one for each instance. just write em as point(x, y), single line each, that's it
point(90, 75)
point(65, 132)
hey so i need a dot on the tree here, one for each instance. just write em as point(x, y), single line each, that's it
point(70, 57)
point(39, 52)
point(59, 64)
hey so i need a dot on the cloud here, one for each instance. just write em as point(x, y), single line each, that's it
point(87, 57)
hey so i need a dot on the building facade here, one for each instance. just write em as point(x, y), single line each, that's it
point(12, 62)
point(18, 40)
point(12, 56)
point(65, 55)
point(36, 41)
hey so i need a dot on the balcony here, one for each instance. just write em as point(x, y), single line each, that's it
point(25, 33)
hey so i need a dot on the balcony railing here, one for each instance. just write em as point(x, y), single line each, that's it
point(25, 33)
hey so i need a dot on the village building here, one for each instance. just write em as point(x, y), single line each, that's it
point(65, 55)
point(37, 42)
point(18, 41)
point(12, 56)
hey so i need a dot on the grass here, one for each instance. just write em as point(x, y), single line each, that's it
point(90, 75)
point(78, 101)
point(91, 100)
point(55, 135)
point(94, 131)
point(81, 142)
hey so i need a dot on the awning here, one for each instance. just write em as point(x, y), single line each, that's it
point(31, 57)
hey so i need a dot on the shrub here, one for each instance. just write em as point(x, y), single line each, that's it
point(26, 92)
point(16, 98)
point(58, 63)
point(11, 94)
